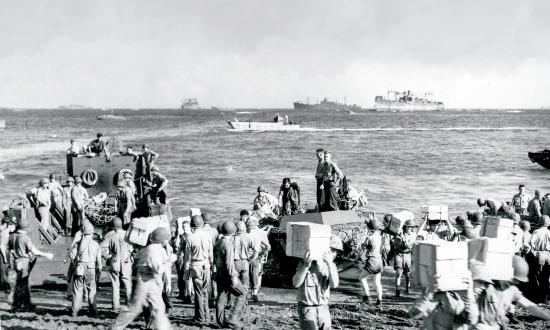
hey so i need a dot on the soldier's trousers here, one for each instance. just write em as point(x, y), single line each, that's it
point(314, 317)
point(81, 283)
point(233, 320)
point(124, 276)
point(255, 273)
point(200, 274)
point(145, 295)
point(22, 290)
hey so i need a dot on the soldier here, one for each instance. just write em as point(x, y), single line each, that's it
point(119, 259)
point(129, 181)
point(126, 203)
point(6, 228)
point(198, 260)
point(225, 272)
point(314, 279)
point(185, 284)
point(79, 195)
point(57, 194)
point(67, 204)
point(149, 267)
point(22, 252)
point(86, 255)
point(373, 262)
point(331, 176)
point(539, 259)
point(534, 208)
point(158, 186)
point(319, 177)
point(245, 250)
point(402, 263)
point(44, 202)
point(259, 238)
point(213, 232)
point(520, 201)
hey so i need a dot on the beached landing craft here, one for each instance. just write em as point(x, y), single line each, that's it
point(542, 158)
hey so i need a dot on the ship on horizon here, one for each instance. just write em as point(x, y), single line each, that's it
point(406, 101)
point(326, 105)
point(190, 104)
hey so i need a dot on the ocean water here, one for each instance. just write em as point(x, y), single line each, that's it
point(401, 160)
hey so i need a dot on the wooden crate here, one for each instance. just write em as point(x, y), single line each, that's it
point(444, 264)
point(324, 218)
point(496, 253)
point(304, 236)
point(436, 212)
point(495, 227)
point(140, 228)
point(396, 225)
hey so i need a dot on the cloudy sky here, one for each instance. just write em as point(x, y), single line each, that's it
point(270, 53)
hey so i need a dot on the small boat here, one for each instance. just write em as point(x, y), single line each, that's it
point(351, 112)
point(110, 117)
point(542, 158)
point(222, 109)
point(262, 126)
point(2, 123)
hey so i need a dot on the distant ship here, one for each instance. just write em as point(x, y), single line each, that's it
point(406, 101)
point(190, 104)
point(74, 107)
point(222, 109)
point(326, 105)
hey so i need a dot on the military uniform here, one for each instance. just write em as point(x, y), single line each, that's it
point(313, 298)
point(199, 257)
point(245, 249)
point(331, 177)
point(22, 259)
point(262, 246)
point(44, 203)
point(86, 255)
point(149, 267)
point(126, 204)
point(79, 194)
point(520, 203)
point(539, 263)
point(225, 266)
point(119, 260)
point(319, 177)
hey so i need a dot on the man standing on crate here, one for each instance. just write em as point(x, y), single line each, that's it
point(86, 255)
point(319, 177)
point(22, 254)
point(331, 177)
point(199, 258)
point(520, 201)
point(119, 260)
point(79, 195)
point(126, 202)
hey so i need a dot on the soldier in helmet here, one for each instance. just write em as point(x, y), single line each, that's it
point(79, 195)
point(149, 266)
point(373, 262)
point(23, 253)
point(158, 186)
point(402, 245)
point(245, 251)
point(198, 261)
point(261, 242)
point(314, 279)
point(126, 202)
point(86, 255)
point(44, 202)
point(213, 232)
point(225, 272)
point(67, 204)
point(119, 259)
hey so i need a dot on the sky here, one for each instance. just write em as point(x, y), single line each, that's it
point(266, 53)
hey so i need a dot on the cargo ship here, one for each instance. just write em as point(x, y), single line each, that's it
point(326, 105)
point(190, 104)
point(406, 101)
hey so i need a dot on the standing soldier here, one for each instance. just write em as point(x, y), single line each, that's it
point(129, 181)
point(402, 263)
point(6, 228)
point(199, 258)
point(149, 267)
point(540, 261)
point(149, 157)
point(44, 203)
point(225, 271)
point(213, 232)
point(119, 259)
point(373, 262)
point(57, 194)
point(520, 201)
point(261, 243)
point(86, 255)
point(22, 252)
point(67, 204)
point(331, 176)
point(158, 186)
point(245, 250)
point(79, 195)
point(126, 203)
point(185, 285)
point(319, 177)
point(314, 279)
point(534, 208)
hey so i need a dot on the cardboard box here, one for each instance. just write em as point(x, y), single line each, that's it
point(436, 212)
point(140, 228)
point(495, 227)
point(396, 225)
point(440, 263)
point(496, 253)
point(304, 236)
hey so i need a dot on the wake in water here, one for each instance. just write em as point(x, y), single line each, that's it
point(398, 129)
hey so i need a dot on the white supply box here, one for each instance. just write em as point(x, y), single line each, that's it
point(304, 236)
point(496, 253)
point(140, 228)
point(495, 227)
point(436, 212)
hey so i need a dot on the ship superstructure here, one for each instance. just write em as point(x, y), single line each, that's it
point(406, 101)
point(326, 105)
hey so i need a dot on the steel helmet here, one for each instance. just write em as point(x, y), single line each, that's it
point(206, 217)
point(521, 269)
point(409, 223)
point(70, 179)
point(228, 228)
point(87, 228)
point(469, 233)
point(336, 243)
point(477, 218)
point(78, 179)
point(516, 217)
point(159, 235)
point(196, 221)
point(373, 224)
point(117, 223)
point(387, 218)
point(252, 222)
